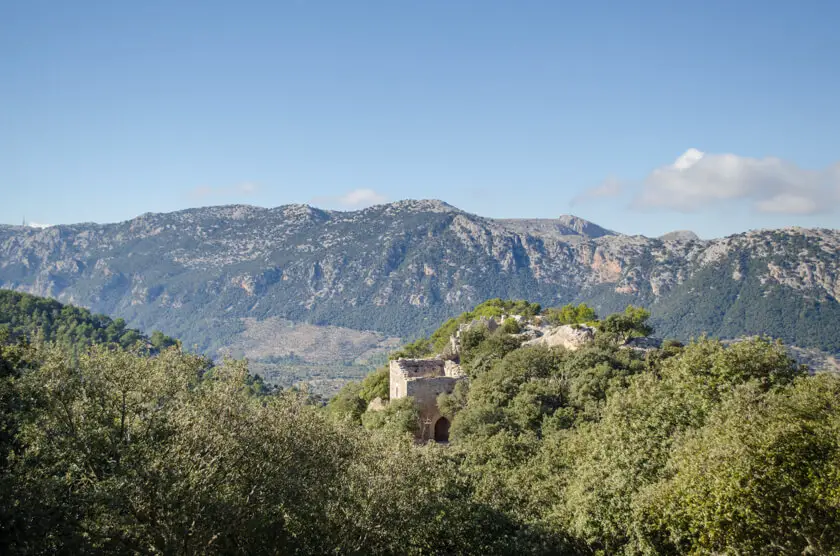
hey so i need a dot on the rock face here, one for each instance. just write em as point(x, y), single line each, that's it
point(566, 336)
point(403, 268)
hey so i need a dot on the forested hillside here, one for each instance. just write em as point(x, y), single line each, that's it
point(39, 319)
point(606, 449)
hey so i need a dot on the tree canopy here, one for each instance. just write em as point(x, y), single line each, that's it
point(47, 320)
point(607, 449)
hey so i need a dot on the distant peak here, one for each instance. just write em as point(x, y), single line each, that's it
point(680, 235)
point(423, 205)
point(583, 227)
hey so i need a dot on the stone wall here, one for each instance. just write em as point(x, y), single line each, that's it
point(424, 380)
point(413, 368)
point(404, 370)
point(425, 392)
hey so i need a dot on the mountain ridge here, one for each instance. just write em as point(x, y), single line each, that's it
point(398, 267)
point(432, 205)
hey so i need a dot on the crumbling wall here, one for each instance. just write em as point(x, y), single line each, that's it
point(403, 370)
point(424, 380)
point(413, 368)
point(450, 368)
point(425, 392)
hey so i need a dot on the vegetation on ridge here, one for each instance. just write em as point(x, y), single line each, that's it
point(702, 448)
point(39, 319)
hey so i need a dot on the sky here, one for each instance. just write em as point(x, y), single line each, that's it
point(644, 117)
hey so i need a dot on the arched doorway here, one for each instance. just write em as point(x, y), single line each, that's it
point(442, 430)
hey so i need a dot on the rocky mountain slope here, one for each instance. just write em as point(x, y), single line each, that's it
point(401, 268)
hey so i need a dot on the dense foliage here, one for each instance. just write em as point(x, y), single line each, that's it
point(700, 449)
point(570, 314)
point(47, 320)
point(490, 308)
point(122, 453)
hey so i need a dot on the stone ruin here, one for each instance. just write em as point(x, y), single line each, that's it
point(424, 380)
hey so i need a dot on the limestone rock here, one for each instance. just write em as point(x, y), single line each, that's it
point(530, 334)
point(567, 336)
point(376, 404)
point(489, 322)
point(357, 268)
point(452, 369)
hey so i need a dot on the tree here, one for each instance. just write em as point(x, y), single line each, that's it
point(570, 314)
point(611, 463)
point(763, 477)
point(400, 416)
point(376, 385)
point(348, 404)
point(160, 341)
point(414, 350)
point(630, 324)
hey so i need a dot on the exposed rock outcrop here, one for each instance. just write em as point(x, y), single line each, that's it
point(571, 337)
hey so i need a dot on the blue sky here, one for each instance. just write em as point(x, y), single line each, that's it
point(109, 109)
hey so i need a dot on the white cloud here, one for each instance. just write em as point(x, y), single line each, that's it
point(688, 159)
point(697, 180)
point(610, 187)
point(787, 203)
point(243, 189)
point(357, 198)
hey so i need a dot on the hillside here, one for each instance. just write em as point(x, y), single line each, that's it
point(601, 445)
point(35, 318)
point(399, 268)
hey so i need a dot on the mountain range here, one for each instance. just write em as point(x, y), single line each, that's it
point(219, 277)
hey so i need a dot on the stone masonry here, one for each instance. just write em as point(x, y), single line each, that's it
point(424, 380)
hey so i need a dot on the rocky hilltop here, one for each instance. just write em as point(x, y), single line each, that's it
point(401, 268)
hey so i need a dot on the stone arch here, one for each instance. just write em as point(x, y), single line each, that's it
point(442, 430)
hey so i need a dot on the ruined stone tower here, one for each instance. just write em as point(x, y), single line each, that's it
point(424, 380)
